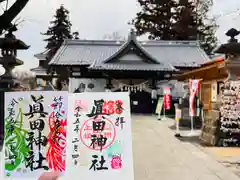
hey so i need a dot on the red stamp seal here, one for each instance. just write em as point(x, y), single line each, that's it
point(116, 162)
point(98, 133)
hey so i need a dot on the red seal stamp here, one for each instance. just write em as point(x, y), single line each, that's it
point(116, 162)
point(98, 133)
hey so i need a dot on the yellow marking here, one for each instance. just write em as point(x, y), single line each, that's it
point(225, 152)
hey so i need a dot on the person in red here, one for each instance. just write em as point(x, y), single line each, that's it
point(49, 176)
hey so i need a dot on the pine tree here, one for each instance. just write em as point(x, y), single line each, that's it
point(193, 23)
point(59, 30)
point(207, 26)
point(155, 19)
point(186, 23)
point(177, 20)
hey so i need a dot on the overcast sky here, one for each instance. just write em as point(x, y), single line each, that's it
point(94, 18)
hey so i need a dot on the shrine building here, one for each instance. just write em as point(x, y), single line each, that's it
point(141, 67)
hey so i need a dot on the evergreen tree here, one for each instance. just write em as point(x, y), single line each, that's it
point(177, 20)
point(60, 29)
point(193, 23)
point(186, 22)
point(155, 19)
point(207, 26)
point(75, 35)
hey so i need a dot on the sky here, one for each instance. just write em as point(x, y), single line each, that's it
point(93, 19)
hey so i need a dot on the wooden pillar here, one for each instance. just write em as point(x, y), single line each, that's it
point(109, 83)
point(153, 84)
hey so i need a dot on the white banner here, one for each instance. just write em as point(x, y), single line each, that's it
point(194, 85)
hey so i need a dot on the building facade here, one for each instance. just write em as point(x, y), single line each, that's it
point(43, 78)
point(213, 74)
point(141, 67)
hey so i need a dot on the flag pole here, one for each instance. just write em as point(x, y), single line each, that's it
point(178, 115)
point(164, 114)
point(191, 133)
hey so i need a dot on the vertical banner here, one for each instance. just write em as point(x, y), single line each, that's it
point(167, 98)
point(159, 106)
point(35, 134)
point(194, 85)
point(99, 136)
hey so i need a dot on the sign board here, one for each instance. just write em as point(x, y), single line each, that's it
point(99, 141)
point(159, 107)
point(214, 90)
point(35, 134)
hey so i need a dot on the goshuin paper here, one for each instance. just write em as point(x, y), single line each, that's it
point(35, 133)
point(99, 141)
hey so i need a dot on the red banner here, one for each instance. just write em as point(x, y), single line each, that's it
point(167, 98)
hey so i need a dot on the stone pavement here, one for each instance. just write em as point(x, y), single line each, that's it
point(158, 155)
point(228, 156)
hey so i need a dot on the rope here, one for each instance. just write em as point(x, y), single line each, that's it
point(134, 85)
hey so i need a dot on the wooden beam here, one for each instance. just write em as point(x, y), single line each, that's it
point(212, 71)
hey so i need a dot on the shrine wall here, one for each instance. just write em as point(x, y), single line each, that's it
point(98, 85)
point(86, 85)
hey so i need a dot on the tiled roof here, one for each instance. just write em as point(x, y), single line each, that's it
point(39, 70)
point(87, 52)
point(132, 67)
point(42, 55)
point(84, 52)
point(131, 56)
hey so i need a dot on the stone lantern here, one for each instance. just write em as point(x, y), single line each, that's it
point(9, 46)
point(232, 54)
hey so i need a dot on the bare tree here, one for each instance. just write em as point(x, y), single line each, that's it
point(10, 13)
point(25, 77)
point(114, 36)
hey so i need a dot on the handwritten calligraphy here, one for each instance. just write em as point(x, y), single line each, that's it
point(57, 123)
point(35, 133)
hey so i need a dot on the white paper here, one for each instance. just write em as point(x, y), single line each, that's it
point(114, 147)
point(35, 126)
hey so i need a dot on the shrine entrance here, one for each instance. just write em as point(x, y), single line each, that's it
point(141, 102)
